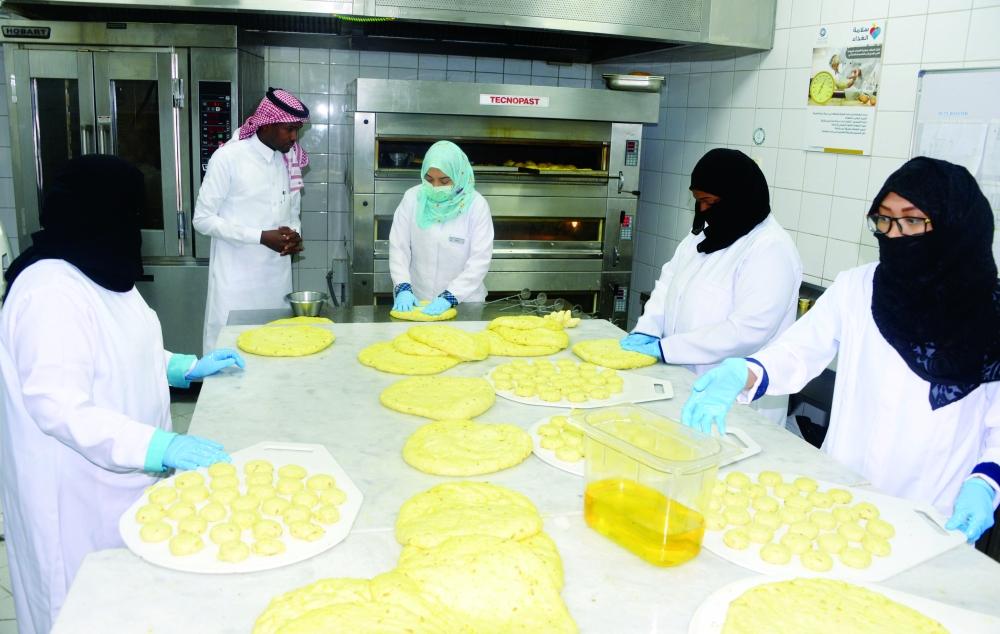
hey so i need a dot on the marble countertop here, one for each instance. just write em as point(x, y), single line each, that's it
point(329, 398)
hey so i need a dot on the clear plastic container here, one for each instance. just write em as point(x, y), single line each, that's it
point(648, 481)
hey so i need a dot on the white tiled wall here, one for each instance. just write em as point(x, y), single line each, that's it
point(320, 78)
point(820, 198)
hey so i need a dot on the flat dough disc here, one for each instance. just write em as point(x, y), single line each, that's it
point(440, 397)
point(454, 341)
point(502, 348)
point(405, 344)
point(525, 322)
point(285, 341)
point(385, 357)
point(299, 321)
point(609, 354)
point(417, 315)
point(534, 337)
point(455, 509)
point(466, 448)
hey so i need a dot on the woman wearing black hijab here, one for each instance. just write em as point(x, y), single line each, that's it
point(916, 405)
point(732, 285)
point(86, 401)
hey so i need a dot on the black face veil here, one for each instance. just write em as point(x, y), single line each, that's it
point(744, 201)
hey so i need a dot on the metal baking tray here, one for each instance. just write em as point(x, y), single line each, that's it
point(634, 83)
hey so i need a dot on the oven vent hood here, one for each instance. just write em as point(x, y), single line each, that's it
point(568, 30)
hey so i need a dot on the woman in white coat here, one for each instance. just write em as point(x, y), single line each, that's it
point(86, 423)
point(916, 404)
point(732, 285)
point(441, 241)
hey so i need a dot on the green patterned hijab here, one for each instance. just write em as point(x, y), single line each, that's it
point(441, 204)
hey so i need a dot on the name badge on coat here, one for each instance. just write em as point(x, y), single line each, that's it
point(456, 240)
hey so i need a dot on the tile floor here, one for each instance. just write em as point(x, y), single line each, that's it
point(181, 410)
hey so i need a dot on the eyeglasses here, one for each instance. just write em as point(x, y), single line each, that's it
point(907, 225)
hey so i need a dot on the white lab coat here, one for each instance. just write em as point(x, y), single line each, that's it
point(882, 424)
point(730, 303)
point(453, 255)
point(245, 191)
point(85, 384)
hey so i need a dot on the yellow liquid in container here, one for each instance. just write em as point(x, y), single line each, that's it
point(662, 531)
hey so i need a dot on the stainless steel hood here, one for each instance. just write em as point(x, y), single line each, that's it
point(569, 30)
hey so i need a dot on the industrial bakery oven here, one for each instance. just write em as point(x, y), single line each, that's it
point(558, 166)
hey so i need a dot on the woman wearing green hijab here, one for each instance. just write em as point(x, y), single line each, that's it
point(441, 241)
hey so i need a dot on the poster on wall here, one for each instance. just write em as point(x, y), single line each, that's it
point(844, 88)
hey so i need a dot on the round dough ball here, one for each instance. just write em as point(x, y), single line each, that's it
point(267, 529)
point(775, 554)
point(262, 492)
point(269, 547)
point(866, 511)
point(246, 503)
point(784, 490)
point(851, 532)
point(222, 469)
point(306, 531)
point(572, 440)
point(502, 384)
point(188, 479)
point(715, 504)
point(548, 429)
point(719, 489)
point(820, 499)
point(816, 560)
point(162, 495)
point(288, 486)
point(154, 532)
point(576, 397)
point(806, 485)
point(295, 513)
point(327, 514)
point(880, 528)
point(856, 557)
point(180, 510)
point(225, 497)
point(715, 521)
point(320, 482)
point(796, 543)
point(225, 532)
point(841, 496)
point(765, 503)
point(877, 546)
point(844, 514)
point(244, 519)
point(754, 491)
point(213, 512)
point(831, 543)
point(274, 506)
point(738, 500)
point(194, 494)
point(149, 513)
point(260, 479)
point(550, 395)
point(768, 518)
point(736, 538)
point(790, 516)
point(569, 454)
point(737, 480)
point(258, 466)
point(769, 478)
point(806, 529)
point(798, 502)
point(552, 442)
point(333, 496)
point(184, 544)
point(599, 393)
point(233, 551)
point(305, 498)
point(759, 533)
point(224, 482)
point(823, 519)
point(737, 516)
point(525, 391)
point(194, 525)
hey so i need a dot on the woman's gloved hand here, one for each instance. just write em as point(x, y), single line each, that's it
point(713, 394)
point(215, 361)
point(645, 344)
point(404, 302)
point(438, 306)
point(973, 514)
point(168, 450)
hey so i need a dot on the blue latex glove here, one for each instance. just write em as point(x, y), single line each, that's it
point(191, 452)
point(713, 394)
point(638, 342)
point(405, 302)
point(215, 361)
point(436, 307)
point(973, 513)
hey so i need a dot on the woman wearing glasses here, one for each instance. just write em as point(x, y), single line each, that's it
point(916, 405)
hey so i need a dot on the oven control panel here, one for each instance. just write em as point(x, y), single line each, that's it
point(631, 152)
point(625, 231)
point(621, 299)
point(214, 118)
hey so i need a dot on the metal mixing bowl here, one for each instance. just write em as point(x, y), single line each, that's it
point(306, 303)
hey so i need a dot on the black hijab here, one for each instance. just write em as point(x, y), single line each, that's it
point(743, 204)
point(90, 218)
point(936, 297)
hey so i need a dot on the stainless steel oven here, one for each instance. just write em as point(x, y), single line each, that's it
point(558, 166)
